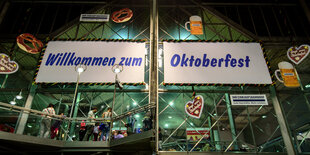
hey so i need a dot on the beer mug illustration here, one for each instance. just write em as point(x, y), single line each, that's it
point(195, 25)
point(289, 77)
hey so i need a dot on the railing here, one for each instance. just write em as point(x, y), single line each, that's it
point(68, 129)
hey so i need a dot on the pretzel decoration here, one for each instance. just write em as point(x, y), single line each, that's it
point(37, 44)
point(118, 18)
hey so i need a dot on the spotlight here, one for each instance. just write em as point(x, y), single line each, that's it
point(80, 68)
point(19, 96)
point(13, 102)
point(117, 68)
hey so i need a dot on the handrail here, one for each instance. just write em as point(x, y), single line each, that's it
point(40, 113)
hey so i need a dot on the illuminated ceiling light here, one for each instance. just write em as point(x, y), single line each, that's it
point(139, 124)
point(114, 123)
point(223, 128)
point(214, 114)
point(80, 68)
point(117, 68)
point(13, 102)
point(192, 124)
point(137, 115)
point(127, 106)
point(264, 116)
point(134, 103)
point(171, 103)
point(19, 96)
point(169, 117)
point(307, 86)
point(166, 125)
point(29, 126)
point(73, 136)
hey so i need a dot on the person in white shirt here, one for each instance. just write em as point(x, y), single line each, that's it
point(45, 125)
point(91, 124)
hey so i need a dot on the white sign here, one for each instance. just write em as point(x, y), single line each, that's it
point(258, 99)
point(95, 17)
point(61, 57)
point(224, 63)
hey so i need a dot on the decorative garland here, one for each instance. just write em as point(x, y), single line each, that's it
point(96, 39)
point(216, 84)
point(82, 39)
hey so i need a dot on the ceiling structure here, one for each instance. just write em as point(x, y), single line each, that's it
point(278, 24)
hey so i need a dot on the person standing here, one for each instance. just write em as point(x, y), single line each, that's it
point(96, 132)
point(147, 121)
point(130, 123)
point(105, 132)
point(82, 130)
point(45, 125)
point(91, 124)
point(56, 125)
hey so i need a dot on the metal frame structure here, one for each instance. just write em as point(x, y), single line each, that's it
point(166, 22)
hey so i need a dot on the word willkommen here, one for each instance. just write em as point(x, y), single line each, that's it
point(70, 59)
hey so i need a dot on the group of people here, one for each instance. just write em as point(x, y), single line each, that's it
point(94, 128)
point(99, 130)
point(49, 127)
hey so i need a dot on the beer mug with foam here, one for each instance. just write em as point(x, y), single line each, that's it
point(195, 25)
point(289, 77)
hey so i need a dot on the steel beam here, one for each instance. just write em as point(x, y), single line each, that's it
point(285, 131)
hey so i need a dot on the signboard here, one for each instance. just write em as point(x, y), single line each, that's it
point(258, 99)
point(94, 17)
point(219, 63)
point(61, 57)
point(194, 134)
point(6, 65)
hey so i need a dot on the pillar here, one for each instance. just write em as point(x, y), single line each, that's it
point(76, 109)
point(231, 121)
point(153, 81)
point(286, 135)
point(24, 116)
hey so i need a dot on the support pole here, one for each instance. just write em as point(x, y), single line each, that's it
point(153, 81)
point(211, 130)
point(305, 7)
point(76, 109)
point(4, 9)
point(231, 121)
point(286, 135)
point(24, 116)
point(113, 103)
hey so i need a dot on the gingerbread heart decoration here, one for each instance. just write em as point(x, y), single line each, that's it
point(194, 108)
point(296, 55)
point(6, 65)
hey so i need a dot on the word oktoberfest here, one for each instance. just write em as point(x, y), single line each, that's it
point(191, 61)
point(70, 59)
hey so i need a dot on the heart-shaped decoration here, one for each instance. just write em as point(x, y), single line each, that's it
point(296, 55)
point(7, 66)
point(194, 108)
